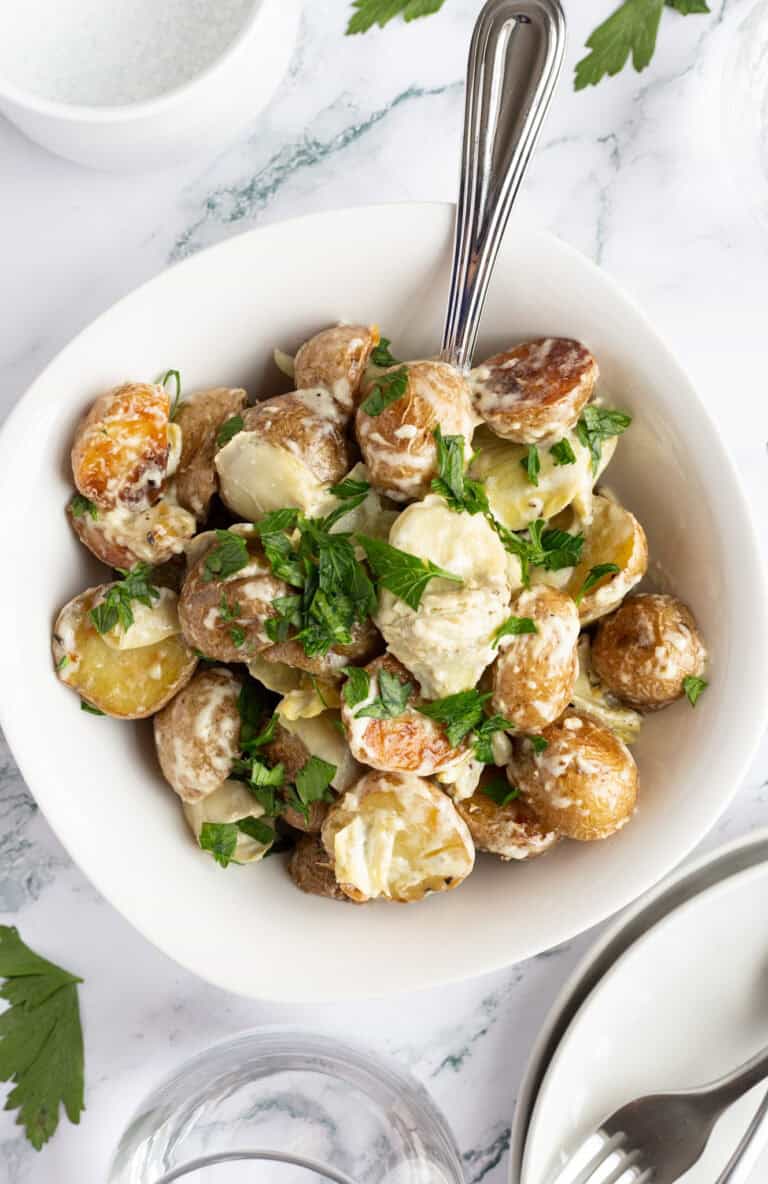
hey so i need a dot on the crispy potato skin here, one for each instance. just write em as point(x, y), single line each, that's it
point(126, 684)
point(292, 752)
point(200, 416)
point(644, 650)
point(583, 785)
point(301, 422)
point(311, 869)
point(366, 642)
point(409, 743)
point(536, 390)
point(512, 832)
point(197, 736)
point(534, 675)
point(249, 596)
point(120, 451)
point(121, 538)
point(399, 445)
point(336, 358)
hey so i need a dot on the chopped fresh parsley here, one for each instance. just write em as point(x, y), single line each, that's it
point(631, 29)
point(462, 493)
point(357, 688)
point(228, 555)
point(350, 488)
point(176, 376)
point(693, 688)
point(538, 743)
point(220, 838)
point(237, 635)
point(256, 829)
point(227, 611)
point(287, 618)
point(598, 424)
point(386, 390)
point(531, 464)
point(551, 549)
point(380, 12)
point(500, 791)
point(313, 781)
point(405, 576)
point(562, 453)
point(483, 735)
point(79, 505)
point(594, 576)
point(392, 698)
point(459, 714)
point(513, 627)
point(62, 662)
point(115, 607)
point(85, 706)
point(229, 429)
point(381, 355)
point(351, 494)
point(41, 1040)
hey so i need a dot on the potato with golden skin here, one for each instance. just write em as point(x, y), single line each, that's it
point(398, 444)
point(395, 836)
point(512, 831)
point(336, 359)
point(127, 683)
point(583, 784)
point(197, 736)
point(536, 390)
point(365, 644)
point(121, 448)
point(643, 652)
point(225, 617)
point(291, 449)
point(407, 743)
point(200, 417)
point(120, 538)
point(534, 675)
point(311, 869)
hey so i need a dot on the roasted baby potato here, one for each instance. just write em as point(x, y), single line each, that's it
point(197, 735)
point(366, 642)
point(291, 448)
point(535, 391)
point(447, 642)
point(200, 417)
point(644, 651)
point(122, 447)
point(128, 683)
point(396, 836)
point(406, 743)
point(591, 697)
point(534, 675)
point(336, 359)
point(311, 869)
point(295, 742)
point(231, 802)
point(120, 538)
point(583, 784)
point(224, 616)
point(511, 831)
point(398, 443)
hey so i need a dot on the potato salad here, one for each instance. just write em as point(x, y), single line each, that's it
point(384, 622)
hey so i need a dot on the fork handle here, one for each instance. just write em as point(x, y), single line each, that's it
point(730, 1088)
point(753, 1141)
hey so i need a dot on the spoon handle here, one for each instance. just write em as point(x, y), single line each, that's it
point(514, 61)
point(739, 1167)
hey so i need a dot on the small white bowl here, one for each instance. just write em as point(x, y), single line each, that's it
point(197, 117)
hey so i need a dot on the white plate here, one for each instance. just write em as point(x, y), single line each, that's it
point(685, 1004)
point(217, 317)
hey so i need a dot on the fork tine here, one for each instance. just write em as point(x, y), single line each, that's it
point(627, 1163)
point(604, 1152)
point(646, 1177)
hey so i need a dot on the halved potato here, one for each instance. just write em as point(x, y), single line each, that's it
point(295, 742)
point(197, 735)
point(583, 784)
point(199, 418)
point(311, 869)
point(336, 359)
point(365, 644)
point(121, 449)
point(535, 391)
point(121, 537)
point(645, 650)
point(397, 837)
point(398, 444)
point(231, 802)
point(590, 697)
point(291, 449)
point(511, 831)
point(125, 683)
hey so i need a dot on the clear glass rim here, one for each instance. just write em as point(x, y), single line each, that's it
point(207, 1161)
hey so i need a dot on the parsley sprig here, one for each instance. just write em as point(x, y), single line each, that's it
point(115, 608)
point(594, 576)
point(513, 627)
point(41, 1040)
point(598, 424)
point(693, 688)
point(386, 390)
point(381, 354)
point(631, 29)
point(500, 791)
point(176, 377)
point(462, 493)
point(390, 702)
point(227, 556)
point(462, 715)
point(380, 12)
point(229, 429)
point(404, 575)
point(80, 505)
point(220, 838)
point(531, 464)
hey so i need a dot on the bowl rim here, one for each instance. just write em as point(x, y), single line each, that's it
point(631, 889)
point(123, 113)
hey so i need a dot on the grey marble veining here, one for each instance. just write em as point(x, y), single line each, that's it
point(634, 174)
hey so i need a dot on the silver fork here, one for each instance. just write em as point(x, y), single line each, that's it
point(659, 1137)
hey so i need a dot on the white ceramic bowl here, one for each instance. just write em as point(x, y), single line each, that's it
point(217, 317)
point(195, 118)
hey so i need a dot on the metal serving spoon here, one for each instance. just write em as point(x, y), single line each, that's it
point(514, 62)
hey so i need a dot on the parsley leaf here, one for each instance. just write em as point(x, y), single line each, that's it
point(229, 429)
point(538, 743)
point(460, 492)
point(693, 688)
point(594, 576)
point(532, 464)
point(227, 611)
point(500, 791)
point(350, 488)
point(392, 699)
point(386, 390)
point(380, 12)
point(85, 706)
point(550, 549)
point(115, 607)
point(483, 734)
point(278, 547)
point(458, 713)
point(631, 29)
point(598, 424)
point(80, 505)
point(41, 1040)
point(228, 555)
point(237, 635)
point(176, 376)
point(686, 7)
point(313, 781)
point(562, 453)
point(381, 356)
point(220, 838)
point(513, 627)
point(257, 829)
point(357, 688)
point(405, 576)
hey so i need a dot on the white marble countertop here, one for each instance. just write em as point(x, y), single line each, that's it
point(633, 173)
